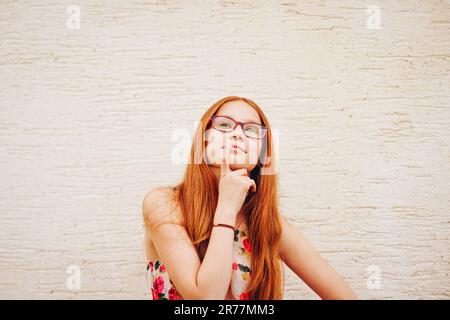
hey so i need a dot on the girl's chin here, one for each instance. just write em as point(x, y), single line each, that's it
point(238, 166)
point(237, 161)
point(234, 166)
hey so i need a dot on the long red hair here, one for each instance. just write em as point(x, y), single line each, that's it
point(197, 196)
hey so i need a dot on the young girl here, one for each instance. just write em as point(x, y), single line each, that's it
point(218, 234)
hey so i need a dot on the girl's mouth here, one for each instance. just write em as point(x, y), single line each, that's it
point(236, 147)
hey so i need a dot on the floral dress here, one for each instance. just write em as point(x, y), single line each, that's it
point(163, 288)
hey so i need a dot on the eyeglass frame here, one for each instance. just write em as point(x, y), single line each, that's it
point(238, 123)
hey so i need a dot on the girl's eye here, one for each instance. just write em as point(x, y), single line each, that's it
point(225, 125)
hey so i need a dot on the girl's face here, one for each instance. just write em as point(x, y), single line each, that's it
point(243, 151)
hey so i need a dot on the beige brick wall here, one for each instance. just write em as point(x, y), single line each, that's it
point(87, 117)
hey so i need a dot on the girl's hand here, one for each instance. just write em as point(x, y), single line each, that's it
point(233, 189)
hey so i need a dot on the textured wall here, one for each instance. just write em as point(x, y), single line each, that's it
point(360, 97)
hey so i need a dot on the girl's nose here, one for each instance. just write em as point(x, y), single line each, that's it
point(238, 132)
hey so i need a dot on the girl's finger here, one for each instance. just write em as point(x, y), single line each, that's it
point(225, 165)
point(254, 186)
point(239, 172)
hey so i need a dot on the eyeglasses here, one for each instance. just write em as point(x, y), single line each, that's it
point(226, 124)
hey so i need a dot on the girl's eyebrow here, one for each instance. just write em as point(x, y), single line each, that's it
point(245, 120)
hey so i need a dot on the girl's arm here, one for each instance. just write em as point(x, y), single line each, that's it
point(195, 280)
point(303, 259)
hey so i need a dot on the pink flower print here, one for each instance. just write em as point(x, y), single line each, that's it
point(235, 266)
point(150, 264)
point(155, 294)
point(162, 268)
point(243, 296)
point(158, 284)
point(246, 244)
point(173, 294)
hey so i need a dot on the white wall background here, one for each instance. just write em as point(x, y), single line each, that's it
point(86, 118)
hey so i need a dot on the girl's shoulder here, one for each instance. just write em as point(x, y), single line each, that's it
point(160, 205)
